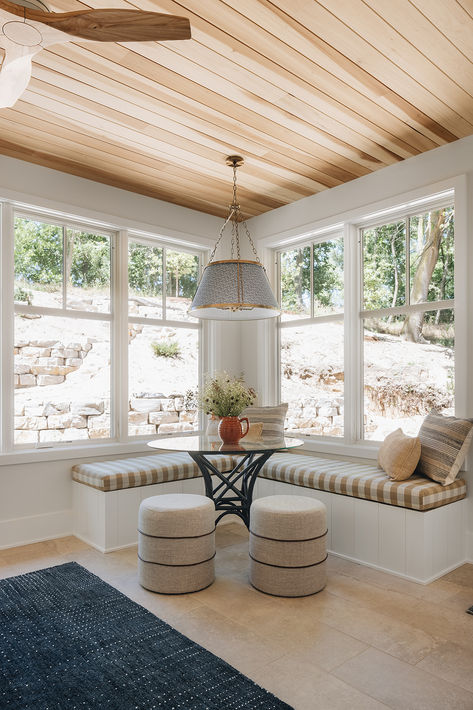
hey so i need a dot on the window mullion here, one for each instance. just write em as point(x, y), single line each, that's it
point(353, 389)
point(165, 283)
point(7, 236)
point(119, 355)
point(407, 288)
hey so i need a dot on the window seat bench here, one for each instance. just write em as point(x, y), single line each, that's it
point(414, 528)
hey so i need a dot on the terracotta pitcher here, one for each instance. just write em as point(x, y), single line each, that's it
point(230, 429)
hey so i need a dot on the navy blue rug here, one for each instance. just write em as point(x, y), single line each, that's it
point(69, 641)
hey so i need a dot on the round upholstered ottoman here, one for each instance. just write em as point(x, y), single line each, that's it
point(176, 543)
point(288, 545)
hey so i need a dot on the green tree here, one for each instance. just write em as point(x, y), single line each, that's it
point(145, 269)
point(38, 252)
point(182, 270)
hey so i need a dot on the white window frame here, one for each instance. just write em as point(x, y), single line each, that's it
point(119, 442)
point(449, 192)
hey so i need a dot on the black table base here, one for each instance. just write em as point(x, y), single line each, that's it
point(233, 492)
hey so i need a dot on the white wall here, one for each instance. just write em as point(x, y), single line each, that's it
point(35, 497)
point(437, 168)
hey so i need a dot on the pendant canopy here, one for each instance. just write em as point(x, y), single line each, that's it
point(234, 289)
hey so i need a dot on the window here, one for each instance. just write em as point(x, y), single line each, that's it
point(61, 333)
point(358, 373)
point(408, 331)
point(163, 354)
point(69, 344)
point(312, 337)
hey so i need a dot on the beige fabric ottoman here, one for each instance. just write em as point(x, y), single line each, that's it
point(288, 545)
point(176, 543)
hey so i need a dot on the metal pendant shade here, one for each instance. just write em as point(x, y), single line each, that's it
point(234, 289)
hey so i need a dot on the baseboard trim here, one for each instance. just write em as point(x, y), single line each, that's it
point(35, 528)
point(399, 574)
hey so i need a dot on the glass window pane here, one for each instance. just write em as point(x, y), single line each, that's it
point(88, 264)
point(328, 277)
point(384, 266)
point(405, 378)
point(62, 379)
point(432, 256)
point(163, 376)
point(312, 378)
point(182, 275)
point(145, 280)
point(295, 284)
point(38, 263)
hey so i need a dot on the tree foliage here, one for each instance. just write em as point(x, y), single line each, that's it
point(425, 242)
point(40, 262)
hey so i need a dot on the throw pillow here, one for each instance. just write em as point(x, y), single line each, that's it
point(399, 455)
point(255, 432)
point(272, 418)
point(445, 442)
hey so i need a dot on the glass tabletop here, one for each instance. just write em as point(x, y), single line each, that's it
point(200, 443)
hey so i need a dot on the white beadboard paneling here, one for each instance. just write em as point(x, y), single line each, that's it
point(343, 525)
point(456, 527)
point(194, 485)
point(326, 499)
point(366, 531)
point(418, 545)
point(392, 538)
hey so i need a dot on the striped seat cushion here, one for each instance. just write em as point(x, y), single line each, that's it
point(361, 481)
point(142, 471)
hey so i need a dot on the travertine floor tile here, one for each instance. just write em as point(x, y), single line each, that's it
point(353, 646)
point(307, 687)
point(400, 685)
point(452, 663)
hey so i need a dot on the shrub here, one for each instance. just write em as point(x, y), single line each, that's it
point(23, 296)
point(169, 348)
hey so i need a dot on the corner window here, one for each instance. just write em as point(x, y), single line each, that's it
point(312, 337)
point(408, 321)
point(163, 351)
point(62, 333)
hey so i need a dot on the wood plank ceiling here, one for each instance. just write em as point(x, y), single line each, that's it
point(312, 93)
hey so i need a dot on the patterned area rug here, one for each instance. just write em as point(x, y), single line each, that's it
point(470, 610)
point(68, 640)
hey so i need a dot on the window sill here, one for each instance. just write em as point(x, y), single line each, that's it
point(361, 450)
point(86, 451)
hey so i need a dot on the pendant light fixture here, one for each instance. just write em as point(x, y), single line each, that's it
point(235, 288)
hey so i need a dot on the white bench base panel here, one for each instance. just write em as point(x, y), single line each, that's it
point(419, 546)
point(108, 521)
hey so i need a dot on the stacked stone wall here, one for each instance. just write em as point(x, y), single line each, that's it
point(43, 422)
point(39, 363)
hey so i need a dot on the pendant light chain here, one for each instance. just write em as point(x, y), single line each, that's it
point(236, 218)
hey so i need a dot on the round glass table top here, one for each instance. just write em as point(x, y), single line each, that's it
point(200, 443)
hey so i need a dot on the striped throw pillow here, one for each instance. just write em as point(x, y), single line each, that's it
point(272, 417)
point(444, 444)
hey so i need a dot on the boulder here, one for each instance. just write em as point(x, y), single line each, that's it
point(44, 380)
point(26, 437)
point(88, 409)
point(160, 418)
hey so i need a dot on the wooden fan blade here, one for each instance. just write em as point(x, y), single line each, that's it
point(109, 25)
point(15, 73)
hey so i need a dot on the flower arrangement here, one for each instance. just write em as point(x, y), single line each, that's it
point(225, 396)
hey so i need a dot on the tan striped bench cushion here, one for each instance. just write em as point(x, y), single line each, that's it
point(142, 471)
point(361, 481)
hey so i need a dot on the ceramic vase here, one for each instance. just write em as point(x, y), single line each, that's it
point(230, 429)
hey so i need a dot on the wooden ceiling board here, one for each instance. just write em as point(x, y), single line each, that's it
point(313, 94)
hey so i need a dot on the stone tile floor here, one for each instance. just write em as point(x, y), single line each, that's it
point(368, 641)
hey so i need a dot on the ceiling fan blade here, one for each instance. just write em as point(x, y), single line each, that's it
point(109, 25)
point(15, 73)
